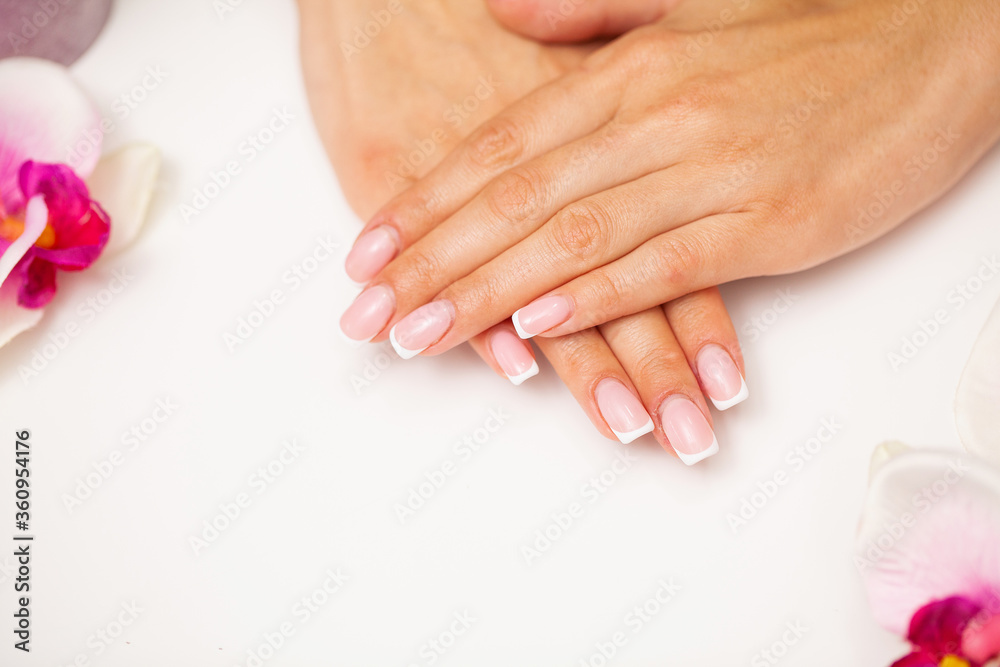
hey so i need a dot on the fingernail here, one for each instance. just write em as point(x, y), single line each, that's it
point(687, 430)
point(721, 377)
point(622, 411)
point(422, 328)
point(369, 313)
point(514, 356)
point(371, 253)
point(541, 315)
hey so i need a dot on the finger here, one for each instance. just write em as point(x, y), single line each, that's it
point(706, 334)
point(655, 361)
point(562, 21)
point(519, 203)
point(581, 238)
point(549, 118)
point(599, 383)
point(506, 353)
point(710, 252)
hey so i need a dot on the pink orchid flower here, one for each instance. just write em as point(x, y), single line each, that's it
point(928, 544)
point(49, 216)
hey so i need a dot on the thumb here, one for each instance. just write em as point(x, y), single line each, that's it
point(577, 20)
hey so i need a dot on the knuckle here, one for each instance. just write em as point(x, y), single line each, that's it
point(497, 144)
point(416, 273)
point(680, 261)
point(581, 231)
point(515, 197)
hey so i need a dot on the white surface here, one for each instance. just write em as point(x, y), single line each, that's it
point(367, 445)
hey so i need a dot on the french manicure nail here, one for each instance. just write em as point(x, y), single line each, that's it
point(721, 377)
point(541, 315)
point(422, 328)
point(371, 253)
point(513, 356)
point(369, 313)
point(687, 430)
point(623, 412)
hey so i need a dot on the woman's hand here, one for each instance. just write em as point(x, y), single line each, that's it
point(645, 372)
point(682, 157)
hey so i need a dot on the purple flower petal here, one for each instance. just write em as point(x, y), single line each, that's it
point(56, 30)
point(937, 628)
point(38, 283)
point(917, 659)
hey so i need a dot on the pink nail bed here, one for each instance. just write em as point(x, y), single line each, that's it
point(369, 313)
point(541, 315)
point(721, 377)
point(422, 328)
point(371, 253)
point(623, 412)
point(514, 356)
point(688, 430)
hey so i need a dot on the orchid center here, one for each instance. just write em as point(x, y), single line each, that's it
point(954, 661)
point(12, 227)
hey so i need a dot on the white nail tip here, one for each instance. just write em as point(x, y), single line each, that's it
point(630, 436)
point(522, 334)
point(691, 459)
point(526, 375)
point(735, 400)
point(400, 350)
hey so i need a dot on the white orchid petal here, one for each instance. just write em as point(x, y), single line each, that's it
point(977, 404)
point(884, 453)
point(930, 530)
point(45, 117)
point(13, 318)
point(123, 184)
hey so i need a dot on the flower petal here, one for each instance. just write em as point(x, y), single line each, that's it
point(13, 318)
point(930, 530)
point(123, 184)
point(81, 226)
point(46, 117)
point(917, 659)
point(977, 405)
point(938, 627)
point(61, 34)
point(38, 283)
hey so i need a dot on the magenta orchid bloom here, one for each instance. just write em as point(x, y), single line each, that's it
point(66, 230)
point(50, 220)
point(928, 544)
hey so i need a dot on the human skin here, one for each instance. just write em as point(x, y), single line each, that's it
point(432, 55)
point(693, 152)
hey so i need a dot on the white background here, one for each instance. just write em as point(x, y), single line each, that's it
point(333, 506)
